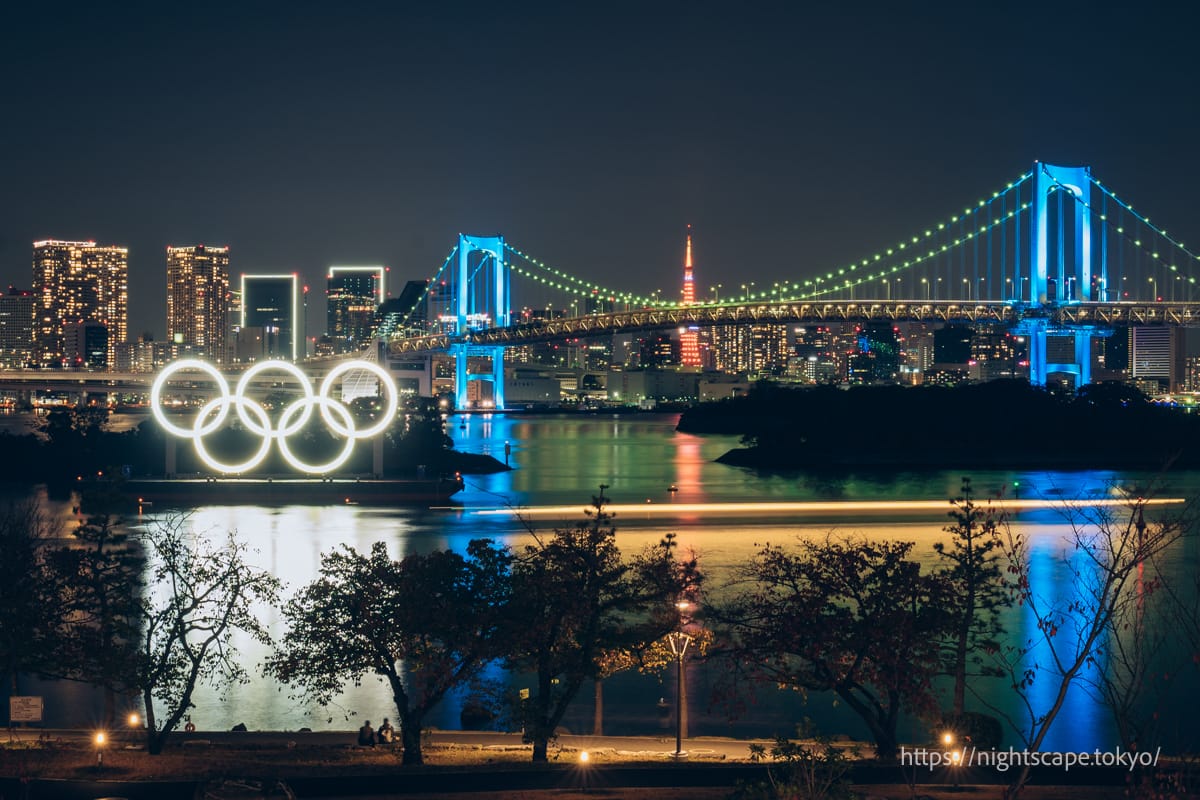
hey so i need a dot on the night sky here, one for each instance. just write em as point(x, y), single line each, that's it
point(793, 137)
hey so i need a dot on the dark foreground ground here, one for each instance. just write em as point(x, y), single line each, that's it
point(463, 766)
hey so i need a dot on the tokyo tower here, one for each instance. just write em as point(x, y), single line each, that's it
point(689, 339)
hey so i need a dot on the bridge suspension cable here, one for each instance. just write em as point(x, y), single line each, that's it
point(391, 328)
point(934, 241)
point(1143, 253)
point(580, 287)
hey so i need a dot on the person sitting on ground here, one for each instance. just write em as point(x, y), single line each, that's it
point(386, 732)
point(366, 735)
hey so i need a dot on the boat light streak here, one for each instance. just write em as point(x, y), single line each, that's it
point(669, 509)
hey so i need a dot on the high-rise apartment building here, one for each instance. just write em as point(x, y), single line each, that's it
point(273, 316)
point(78, 282)
point(198, 300)
point(16, 327)
point(731, 348)
point(758, 349)
point(352, 296)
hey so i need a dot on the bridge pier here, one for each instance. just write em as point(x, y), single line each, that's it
point(462, 352)
point(1040, 367)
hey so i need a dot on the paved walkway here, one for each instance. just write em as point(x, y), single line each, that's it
point(639, 746)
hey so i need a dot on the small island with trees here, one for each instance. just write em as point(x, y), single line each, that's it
point(997, 425)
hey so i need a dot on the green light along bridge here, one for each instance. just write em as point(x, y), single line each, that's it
point(1054, 253)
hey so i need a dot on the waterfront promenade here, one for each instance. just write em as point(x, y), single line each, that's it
point(461, 765)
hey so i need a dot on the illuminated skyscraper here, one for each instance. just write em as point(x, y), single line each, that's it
point(78, 282)
point(1157, 355)
point(16, 327)
point(198, 300)
point(352, 296)
point(689, 339)
point(271, 310)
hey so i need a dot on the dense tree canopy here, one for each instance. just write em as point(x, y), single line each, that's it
point(425, 624)
point(100, 571)
point(30, 613)
point(854, 617)
point(576, 601)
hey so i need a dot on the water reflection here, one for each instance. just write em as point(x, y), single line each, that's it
point(561, 460)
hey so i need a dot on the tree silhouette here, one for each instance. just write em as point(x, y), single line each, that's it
point(575, 601)
point(851, 616)
point(201, 593)
point(425, 624)
point(974, 575)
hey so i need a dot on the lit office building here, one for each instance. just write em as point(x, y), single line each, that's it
point(406, 315)
point(77, 282)
point(352, 295)
point(1156, 357)
point(198, 300)
point(272, 323)
point(86, 346)
point(814, 357)
point(16, 328)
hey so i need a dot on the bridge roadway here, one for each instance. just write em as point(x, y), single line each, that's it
point(814, 312)
point(810, 312)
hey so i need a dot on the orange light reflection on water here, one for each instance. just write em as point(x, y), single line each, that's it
point(816, 507)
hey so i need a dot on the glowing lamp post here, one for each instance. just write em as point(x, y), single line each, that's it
point(679, 641)
point(100, 740)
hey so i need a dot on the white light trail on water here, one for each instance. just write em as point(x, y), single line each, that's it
point(669, 509)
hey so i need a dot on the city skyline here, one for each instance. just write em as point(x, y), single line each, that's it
point(794, 139)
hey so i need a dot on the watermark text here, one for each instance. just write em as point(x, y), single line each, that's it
point(1002, 760)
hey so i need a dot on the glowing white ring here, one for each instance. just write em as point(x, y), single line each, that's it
point(334, 412)
point(385, 381)
point(225, 402)
point(283, 366)
point(307, 404)
point(161, 381)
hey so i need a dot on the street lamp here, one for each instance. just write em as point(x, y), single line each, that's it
point(679, 641)
point(1154, 282)
point(100, 740)
point(926, 284)
point(967, 283)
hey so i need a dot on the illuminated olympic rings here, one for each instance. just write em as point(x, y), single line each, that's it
point(255, 419)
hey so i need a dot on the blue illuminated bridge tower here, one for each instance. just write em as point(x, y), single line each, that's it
point(1070, 278)
point(1055, 255)
point(482, 300)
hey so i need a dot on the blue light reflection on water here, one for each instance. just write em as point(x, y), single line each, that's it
point(562, 460)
